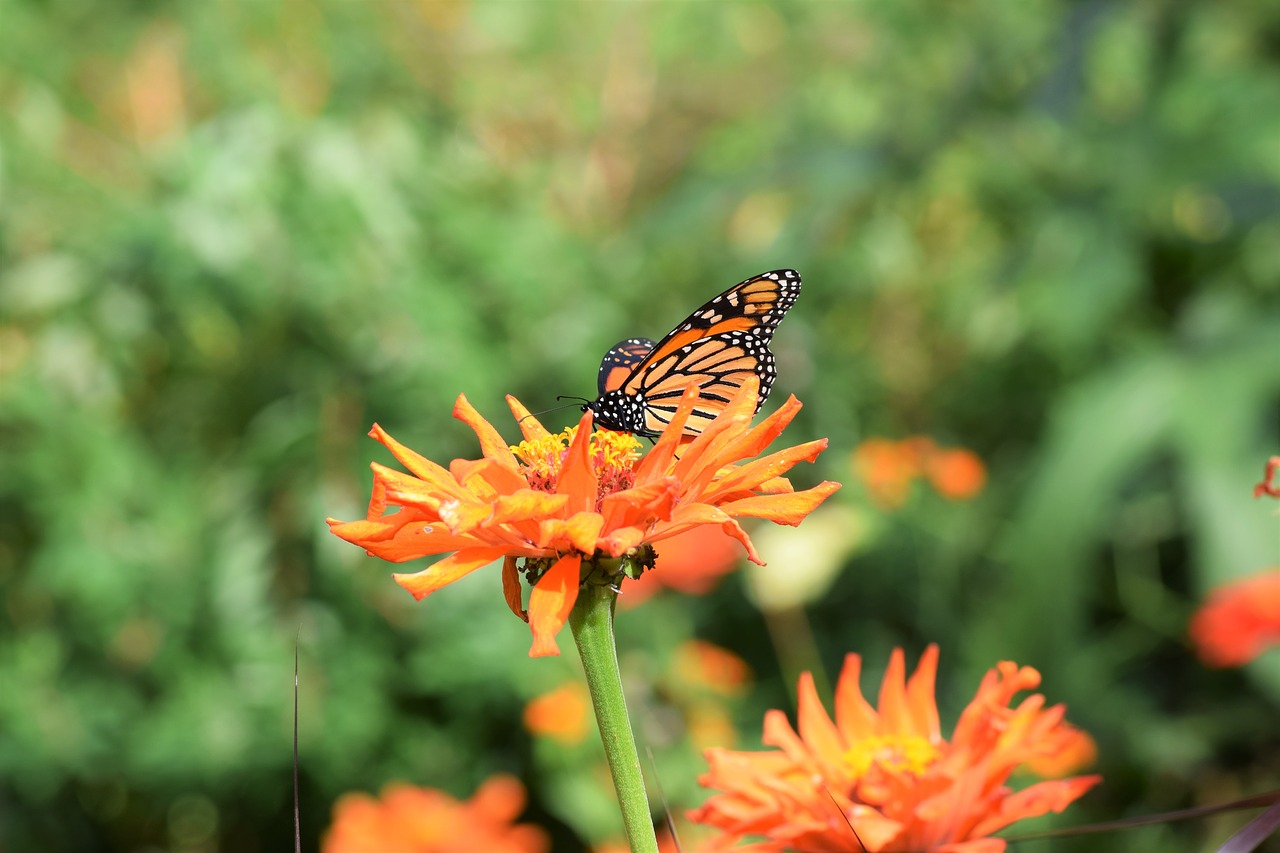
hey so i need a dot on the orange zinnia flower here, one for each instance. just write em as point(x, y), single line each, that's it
point(422, 820)
point(564, 502)
point(885, 779)
point(1239, 621)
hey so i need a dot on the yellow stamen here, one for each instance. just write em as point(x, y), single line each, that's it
point(543, 456)
point(613, 454)
point(894, 753)
point(614, 449)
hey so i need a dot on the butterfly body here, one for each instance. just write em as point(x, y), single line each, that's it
point(717, 347)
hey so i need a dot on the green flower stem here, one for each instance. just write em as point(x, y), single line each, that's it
point(592, 622)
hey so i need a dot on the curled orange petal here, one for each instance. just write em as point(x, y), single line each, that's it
point(491, 444)
point(423, 583)
point(530, 427)
point(511, 588)
point(552, 598)
point(783, 509)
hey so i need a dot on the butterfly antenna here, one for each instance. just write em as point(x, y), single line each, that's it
point(578, 401)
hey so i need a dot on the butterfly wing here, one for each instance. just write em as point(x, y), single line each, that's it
point(620, 361)
point(718, 347)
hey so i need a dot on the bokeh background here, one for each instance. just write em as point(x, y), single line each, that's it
point(232, 236)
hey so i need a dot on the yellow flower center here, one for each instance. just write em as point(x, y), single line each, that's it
point(613, 455)
point(894, 753)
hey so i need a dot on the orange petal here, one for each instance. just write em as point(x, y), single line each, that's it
point(486, 477)
point(893, 694)
point(657, 462)
point(875, 830)
point(921, 700)
point(705, 453)
point(782, 509)
point(400, 541)
point(530, 427)
point(776, 486)
point(816, 729)
point(511, 588)
point(756, 439)
point(418, 465)
point(423, 583)
point(578, 478)
point(491, 443)
point(778, 733)
point(748, 444)
point(1038, 799)
point(855, 717)
point(392, 487)
point(362, 532)
point(550, 602)
point(464, 516)
point(691, 515)
point(1072, 750)
point(652, 501)
point(579, 532)
point(766, 468)
point(995, 691)
point(621, 540)
point(528, 504)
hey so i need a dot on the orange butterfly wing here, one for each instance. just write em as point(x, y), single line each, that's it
point(620, 361)
point(718, 347)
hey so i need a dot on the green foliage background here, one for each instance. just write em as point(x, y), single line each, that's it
point(234, 235)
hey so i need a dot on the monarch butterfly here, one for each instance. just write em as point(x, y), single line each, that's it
point(718, 346)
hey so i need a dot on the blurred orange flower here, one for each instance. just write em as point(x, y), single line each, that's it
point(563, 714)
point(407, 819)
point(562, 501)
point(888, 468)
point(692, 562)
point(705, 664)
point(884, 779)
point(1239, 621)
point(957, 474)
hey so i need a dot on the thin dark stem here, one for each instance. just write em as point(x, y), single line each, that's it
point(297, 812)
